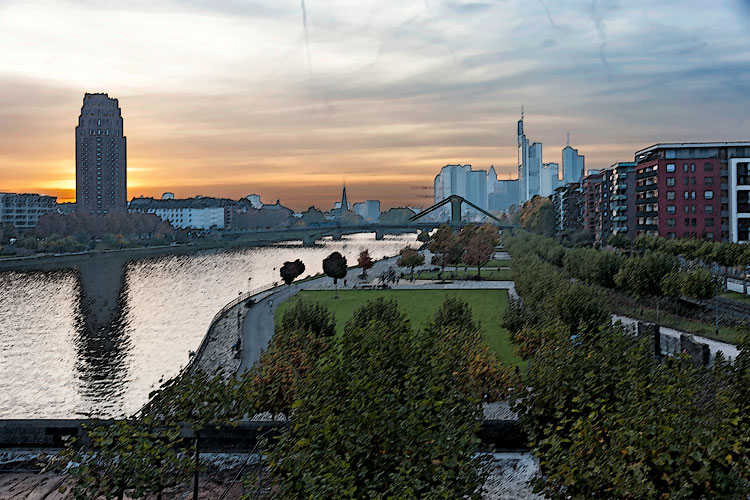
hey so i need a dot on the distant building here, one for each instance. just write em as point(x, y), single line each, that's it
point(101, 162)
point(573, 165)
point(567, 201)
point(191, 213)
point(167, 196)
point(24, 210)
point(505, 195)
point(549, 179)
point(254, 200)
point(461, 180)
point(369, 210)
point(623, 198)
point(343, 205)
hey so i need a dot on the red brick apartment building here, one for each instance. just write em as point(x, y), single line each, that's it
point(683, 190)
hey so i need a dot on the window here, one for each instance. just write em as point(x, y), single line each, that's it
point(708, 195)
point(687, 221)
point(687, 180)
point(671, 235)
point(670, 195)
point(686, 195)
point(670, 167)
point(685, 168)
point(670, 209)
point(692, 181)
point(710, 236)
point(709, 222)
point(709, 209)
point(671, 222)
point(670, 181)
point(693, 222)
point(692, 209)
point(692, 194)
point(708, 167)
point(692, 167)
point(708, 181)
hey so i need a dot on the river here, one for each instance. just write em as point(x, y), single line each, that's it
point(55, 362)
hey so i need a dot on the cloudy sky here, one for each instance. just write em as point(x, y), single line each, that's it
point(231, 97)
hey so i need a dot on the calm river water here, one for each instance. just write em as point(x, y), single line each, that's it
point(52, 365)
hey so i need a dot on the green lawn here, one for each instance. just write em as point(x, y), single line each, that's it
point(488, 274)
point(736, 296)
point(488, 307)
point(726, 333)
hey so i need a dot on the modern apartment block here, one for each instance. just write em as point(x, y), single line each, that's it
point(692, 190)
point(622, 198)
point(190, 213)
point(595, 205)
point(101, 163)
point(24, 210)
point(567, 201)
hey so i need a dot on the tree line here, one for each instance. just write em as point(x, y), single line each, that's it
point(605, 417)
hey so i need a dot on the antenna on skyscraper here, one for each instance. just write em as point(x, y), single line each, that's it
point(568, 140)
point(521, 111)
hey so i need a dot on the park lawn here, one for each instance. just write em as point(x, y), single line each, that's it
point(488, 307)
point(487, 274)
point(491, 263)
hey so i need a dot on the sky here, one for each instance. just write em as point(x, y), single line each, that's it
point(290, 99)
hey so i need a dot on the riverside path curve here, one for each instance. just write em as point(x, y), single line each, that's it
point(258, 324)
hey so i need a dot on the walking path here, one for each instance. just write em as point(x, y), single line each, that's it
point(258, 326)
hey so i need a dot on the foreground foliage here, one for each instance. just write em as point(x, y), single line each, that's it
point(382, 416)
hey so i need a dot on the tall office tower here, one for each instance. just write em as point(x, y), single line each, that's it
point(523, 161)
point(549, 179)
point(101, 163)
point(573, 165)
point(534, 171)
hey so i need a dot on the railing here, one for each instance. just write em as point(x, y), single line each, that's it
point(218, 316)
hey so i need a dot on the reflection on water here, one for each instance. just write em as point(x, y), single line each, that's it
point(96, 343)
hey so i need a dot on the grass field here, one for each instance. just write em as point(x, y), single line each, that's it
point(736, 296)
point(493, 263)
point(489, 274)
point(488, 307)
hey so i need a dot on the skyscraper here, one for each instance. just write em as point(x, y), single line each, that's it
point(101, 162)
point(573, 165)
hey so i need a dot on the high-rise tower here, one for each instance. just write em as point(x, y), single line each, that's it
point(101, 162)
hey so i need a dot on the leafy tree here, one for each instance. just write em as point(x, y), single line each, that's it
point(310, 317)
point(580, 309)
point(264, 218)
point(291, 271)
point(199, 400)
point(699, 284)
point(642, 275)
point(365, 262)
point(410, 258)
point(607, 420)
point(619, 240)
point(423, 237)
point(396, 216)
point(124, 456)
point(477, 368)
point(479, 247)
point(445, 247)
point(671, 284)
point(335, 266)
point(538, 216)
point(384, 418)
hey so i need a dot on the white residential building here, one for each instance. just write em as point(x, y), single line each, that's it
point(24, 210)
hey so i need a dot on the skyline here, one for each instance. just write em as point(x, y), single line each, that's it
point(232, 98)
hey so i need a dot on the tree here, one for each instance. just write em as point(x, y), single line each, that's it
point(479, 249)
point(410, 258)
point(365, 262)
point(199, 400)
point(335, 267)
point(445, 247)
point(396, 216)
point(538, 216)
point(291, 271)
point(124, 456)
point(383, 418)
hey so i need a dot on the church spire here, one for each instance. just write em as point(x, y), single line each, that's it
point(344, 202)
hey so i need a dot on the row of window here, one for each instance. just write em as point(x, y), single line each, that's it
point(708, 209)
point(690, 222)
point(707, 167)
